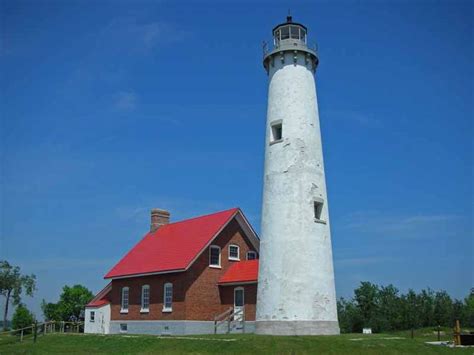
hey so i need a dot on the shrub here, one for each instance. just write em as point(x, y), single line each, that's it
point(22, 317)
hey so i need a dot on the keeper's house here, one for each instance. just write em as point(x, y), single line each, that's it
point(180, 276)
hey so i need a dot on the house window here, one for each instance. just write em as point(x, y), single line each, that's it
point(234, 252)
point(124, 303)
point(214, 256)
point(123, 327)
point(277, 131)
point(168, 297)
point(145, 298)
point(251, 255)
point(318, 209)
point(92, 316)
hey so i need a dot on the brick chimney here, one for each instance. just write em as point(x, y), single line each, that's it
point(158, 218)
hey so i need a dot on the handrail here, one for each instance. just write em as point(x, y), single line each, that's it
point(223, 314)
point(229, 315)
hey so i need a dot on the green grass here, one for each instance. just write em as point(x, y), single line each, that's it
point(239, 344)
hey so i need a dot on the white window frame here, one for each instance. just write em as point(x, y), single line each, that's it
point(122, 300)
point(238, 252)
point(273, 130)
point(145, 309)
point(251, 252)
point(92, 316)
point(217, 266)
point(165, 287)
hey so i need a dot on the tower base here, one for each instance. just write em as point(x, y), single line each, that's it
point(297, 327)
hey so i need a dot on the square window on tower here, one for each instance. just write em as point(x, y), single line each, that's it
point(277, 132)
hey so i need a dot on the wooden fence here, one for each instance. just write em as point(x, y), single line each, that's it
point(41, 329)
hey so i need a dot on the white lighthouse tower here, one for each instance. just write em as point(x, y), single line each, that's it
point(296, 291)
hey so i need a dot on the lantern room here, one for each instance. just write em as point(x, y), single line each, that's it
point(289, 32)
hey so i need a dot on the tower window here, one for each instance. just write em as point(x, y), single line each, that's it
point(295, 33)
point(303, 35)
point(277, 131)
point(318, 209)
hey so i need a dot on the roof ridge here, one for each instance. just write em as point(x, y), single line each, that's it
point(197, 217)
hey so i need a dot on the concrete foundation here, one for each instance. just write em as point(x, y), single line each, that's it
point(297, 327)
point(178, 327)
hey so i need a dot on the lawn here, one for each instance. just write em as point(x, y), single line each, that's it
point(398, 343)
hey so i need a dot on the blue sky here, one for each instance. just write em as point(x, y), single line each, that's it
point(111, 108)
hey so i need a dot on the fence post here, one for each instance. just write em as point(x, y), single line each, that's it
point(457, 333)
point(35, 330)
point(439, 335)
point(21, 336)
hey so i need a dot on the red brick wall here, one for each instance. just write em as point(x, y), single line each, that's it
point(196, 295)
point(203, 298)
point(156, 283)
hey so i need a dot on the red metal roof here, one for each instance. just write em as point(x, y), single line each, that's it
point(101, 298)
point(172, 247)
point(241, 272)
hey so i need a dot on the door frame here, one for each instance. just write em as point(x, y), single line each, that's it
point(240, 288)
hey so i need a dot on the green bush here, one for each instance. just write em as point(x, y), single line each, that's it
point(22, 317)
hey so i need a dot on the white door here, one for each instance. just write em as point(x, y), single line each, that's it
point(239, 303)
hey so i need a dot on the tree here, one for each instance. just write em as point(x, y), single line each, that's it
point(383, 308)
point(443, 309)
point(469, 309)
point(51, 311)
point(22, 317)
point(366, 297)
point(389, 315)
point(426, 303)
point(12, 284)
point(71, 304)
point(411, 310)
point(350, 319)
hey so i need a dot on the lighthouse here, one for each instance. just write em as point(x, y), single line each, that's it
point(296, 289)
